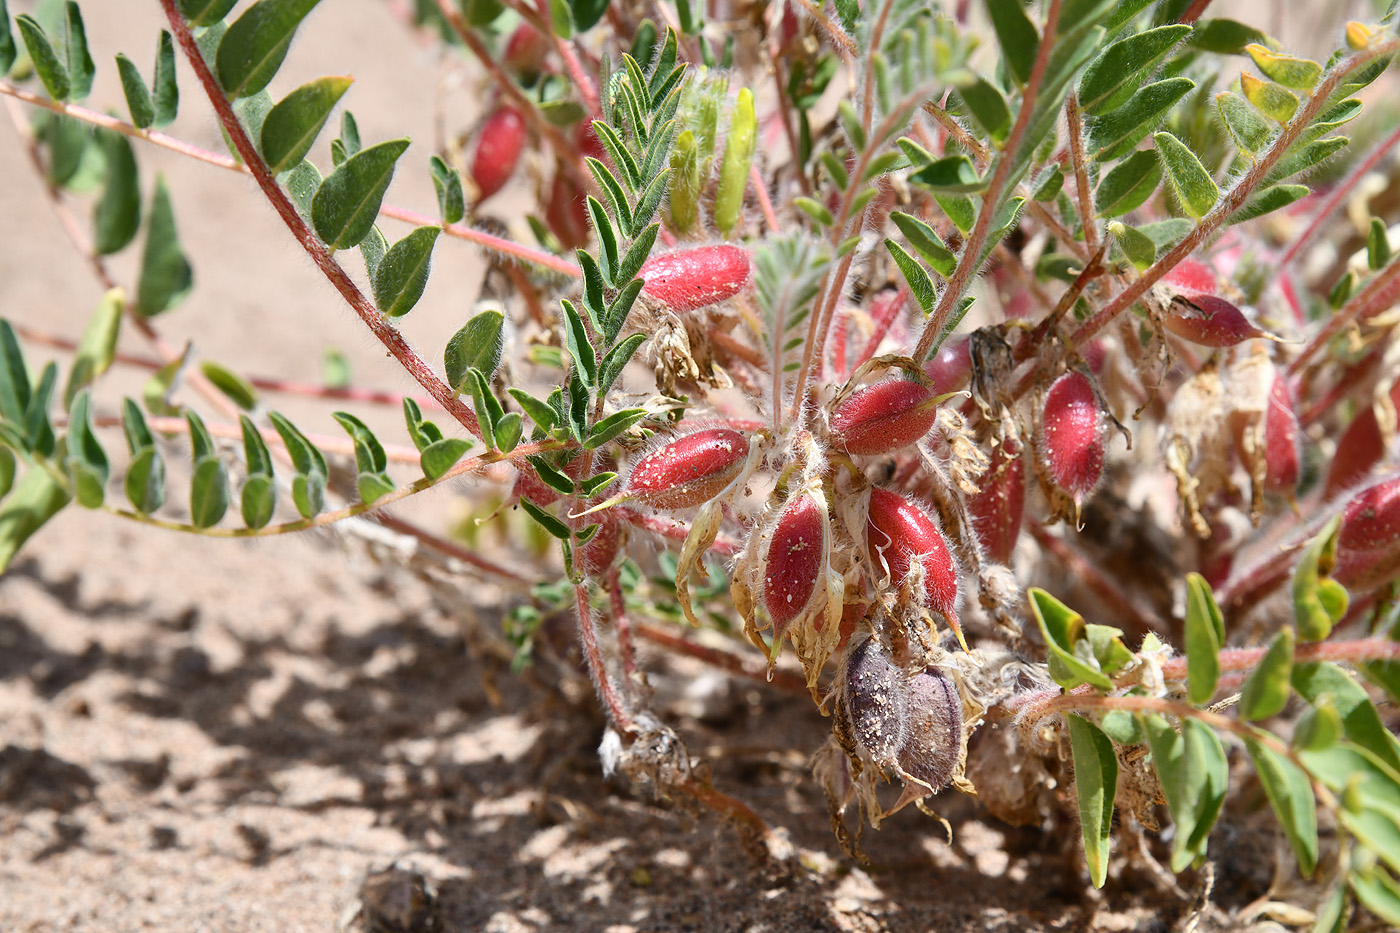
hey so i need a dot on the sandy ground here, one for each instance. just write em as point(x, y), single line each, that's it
point(204, 735)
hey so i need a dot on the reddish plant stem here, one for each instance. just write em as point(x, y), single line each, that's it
point(844, 45)
point(724, 660)
point(882, 325)
point(1194, 11)
point(453, 549)
point(674, 530)
point(991, 198)
point(1233, 199)
point(493, 243)
point(1081, 174)
point(378, 325)
point(1379, 295)
point(1126, 613)
point(760, 189)
point(623, 624)
point(618, 711)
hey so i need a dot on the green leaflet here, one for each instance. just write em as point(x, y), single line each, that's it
point(1290, 793)
point(1095, 782)
point(1115, 134)
point(1128, 184)
point(35, 499)
point(46, 62)
point(734, 169)
point(1079, 653)
point(1249, 131)
point(403, 272)
point(1299, 73)
point(98, 346)
point(478, 345)
point(1190, 181)
point(8, 52)
point(138, 97)
point(117, 216)
point(166, 276)
point(294, 123)
point(74, 51)
point(1265, 692)
point(165, 93)
point(1109, 80)
point(1205, 634)
point(448, 185)
point(205, 12)
point(86, 462)
point(347, 202)
point(253, 48)
point(1194, 774)
point(1017, 35)
point(1272, 100)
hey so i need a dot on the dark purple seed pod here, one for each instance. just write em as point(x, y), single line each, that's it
point(876, 696)
point(933, 738)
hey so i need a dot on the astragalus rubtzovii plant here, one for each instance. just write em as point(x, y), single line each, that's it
point(1057, 294)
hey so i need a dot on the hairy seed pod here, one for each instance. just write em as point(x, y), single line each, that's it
point(875, 696)
point(886, 416)
point(1000, 505)
point(690, 279)
point(900, 532)
point(1361, 447)
point(1209, 321)
point(1072, 436)
point(498, 149)
point(933, 732)
point(793, 561)
point(1191, 277)
point(951, 367)
point(690, 470)
point(526, 50)
point(598, 554)
point(1368, 544)
point(1281, 453)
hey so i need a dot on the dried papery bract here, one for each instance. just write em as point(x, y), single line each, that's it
point(1073, 436)
point(901, 536)
point(691, 279)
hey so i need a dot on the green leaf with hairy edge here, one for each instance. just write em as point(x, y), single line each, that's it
point(369, 453)
point(615, 360)
point(686, 181)
point(594, 304)
point(1272, 100)
point(734, 168)
point(577, 343)
point(596, 484)
point(649, 202)
point(205, 12)
point(372, 249)
point(1360, 721)
point(118, 212)
point(1048, 185)
point(372, 487)
point(554, 479)
point(607, 240)
point(478, 345)
point(543, 414)
point(1114, 135)
point(1300, 159)
point(423, 432)
point(1223, 36)
point(349, 134)
point(1299, 73)
point(347, 203)
point(1249, 131)
point(297, 119)
point(145, 480)
point(201, 443)
point(1346, 768)
point(815, 210)
point(74, 51)
point(46, 62)
point(442, 455)
point(1095, 782)
point(951, 175)
point(926, 242)
point(1112, 77)
point(988, 107)
point(1377, 245)
point(920, 283)
point(1318, 601)
point(256, 43)
point(87, 463)
point(959, 209)
point(1319, 727)
point(257, 500)
point(1194, 187)
point(73, 158)
point(508, 430)
point(452, 205)
point(1378, 891)
point(303, 181)
point(613, 425)
point(166, 276)
point(403, 272)
point(1136, 245)
point(1290, 794)
point(38, 430)
point(35, 499)
point(488, 408)
point(1205, 635)
point(255, 452)
point(14, 377)
point(98, 345)
point(165, 93)
point(1017, 36)
point(1265, 691)
point(637, 254)
point(138, 96)
point(1194, 774)
point(549, 523)
point(1064, 630)
point(1269, 200)
point(8, 52)
point(239, 390)
point(156, 392)
point(208, 492)
point(309, 485)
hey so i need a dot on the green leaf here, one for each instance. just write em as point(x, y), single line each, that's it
point(35, 499)
point(1095, 781)
point(46, 62)
point(258, 500)
point(1064, 630)
point(1223, 36)
point(373, 486)
point(478, 345)
point(621, 307)
point(7, 456)
point(347, 202)
point(540, 412)
point(303, 181)
point(1272, 100)
point(165, 93)
point(145, 480)
point(117, 216)
point(349, 134)
point(309, 485)
point(1114, 135)
point(1266, 689)
point(1300, 159)
point(87, 462)
point(448, 185)
point(156, 392)
point(297, 119)
point(1111, 78)
point(77, 60)
point(686, 181)
point(1273, 198)
point(815, 210)
point(1378, 890)
point(1318, 602)
point(255, 451)
point(951, 175)
point(253, 48)
point(615, 360)
point(607, 240)
point(988, 107)
point(1290, 794)
point(14, 377)
point(1017, 35)
point(1136, 245)
point(1205, 634)
point(959, 209)
point(613, 425)
point(1249, 131)
point(734, 168)
point(98, 346)
point(554, 479)
point(1194, 774)
point(403, 274)
point(920, 282)
point(208, 492)
point(442, 455)
point(586, 13)
point(134, 427)
point(73, 160)
point(481, 12)
point(1377, 245)
point(488, 408)
point(632, 262)
point(1300, 73)
point(1048, 186)
point(549, 523)
point(8, 52)
point(577, 343)
point(369, 453)
point(1319, 727)
point(238, 389)
point(926, 242)
point(372, 248)
point(508, 430)
point(1360, 721)
point(1194, 187)
point(166, 276)
point(138, 96)
point(205, 12)
point(596, 484)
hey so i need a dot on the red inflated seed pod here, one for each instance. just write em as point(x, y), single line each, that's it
point(690, 279)
point(885, 416)
point(793, 562)
point(690, 470)
point(498, 149)
point(1072, 436)
point(900, 532)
